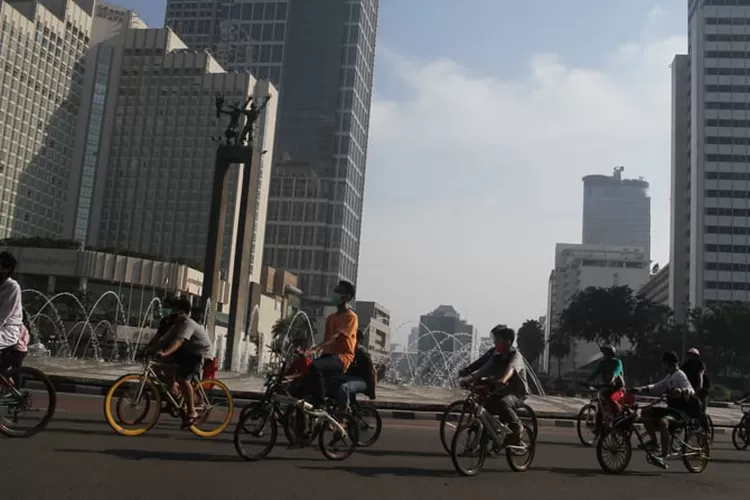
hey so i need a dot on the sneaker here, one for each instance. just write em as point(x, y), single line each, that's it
point(659, 461)
point(515, 437)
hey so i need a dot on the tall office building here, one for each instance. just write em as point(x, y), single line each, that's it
point(42, 48)
point(711, 158)
point(146, 155)
point(321, 54)
point(616, 211)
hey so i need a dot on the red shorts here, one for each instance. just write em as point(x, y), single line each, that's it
point(616, 396)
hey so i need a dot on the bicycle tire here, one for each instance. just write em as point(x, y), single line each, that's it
point(587, 408)
point(452, 408)
point(48, 386)
point(360, 411)
point(152, 392)
point(253, 411)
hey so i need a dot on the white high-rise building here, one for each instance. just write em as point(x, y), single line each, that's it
point(711, 159)
point(616, 211)
point(42, 49)
point(147, 154)
point(578, 267)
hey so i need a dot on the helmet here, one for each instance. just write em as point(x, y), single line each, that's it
point(504, 333)
point(608, 348)
point(670, 357)
point(695, 352)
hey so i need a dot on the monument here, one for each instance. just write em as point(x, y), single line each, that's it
point(239, 146)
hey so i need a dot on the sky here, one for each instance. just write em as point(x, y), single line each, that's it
point(486, 115)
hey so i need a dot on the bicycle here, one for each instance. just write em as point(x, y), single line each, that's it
point(18, 392)
point(150, 387)
point(270, 410)
point(449, 420)
point(593, 417)
point(484, 434)
point(359, 412)
point(617, 440)
point(741, 431)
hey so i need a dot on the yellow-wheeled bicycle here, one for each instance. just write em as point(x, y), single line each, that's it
point(138, 403)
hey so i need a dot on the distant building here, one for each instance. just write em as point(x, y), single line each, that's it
point(616, 211)
point(375, 323)
point(43, 48)
point(578, 267)
point(442, 335)
point(656, 289)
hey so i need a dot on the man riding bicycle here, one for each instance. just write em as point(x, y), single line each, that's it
point(613, 380)
point(682, 405)
point(11, 310)
point(695, 370)
point(189, 346)
point(505, 365)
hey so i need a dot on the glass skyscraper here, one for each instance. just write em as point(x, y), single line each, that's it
point(320, 54)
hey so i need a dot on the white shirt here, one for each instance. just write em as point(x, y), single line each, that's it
point(675, 380)
point(11, 313)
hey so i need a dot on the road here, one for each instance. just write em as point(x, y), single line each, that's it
point(79, 457)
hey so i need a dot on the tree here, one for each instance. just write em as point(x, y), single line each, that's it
point(531, 340)
point(559, 347)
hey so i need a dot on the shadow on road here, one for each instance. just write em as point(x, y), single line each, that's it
point(400, 453)
point(365, 471)
point(176, 456)
point(728, 461)
point(577, 472)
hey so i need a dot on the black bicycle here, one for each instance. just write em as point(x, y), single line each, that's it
point(741, 431)
point(27, 401)
point(482, 435)
point(457, 412)
point(593, 421)
point(688, 442)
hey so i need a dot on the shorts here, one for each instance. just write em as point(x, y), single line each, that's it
point(11, 359)
point(189, 365)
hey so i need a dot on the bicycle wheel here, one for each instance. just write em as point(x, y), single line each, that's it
point(32, 394)
point(139, 389)
point(215, 400)
point(469, 441)
point(369, 425)
point(614, 451)
point(586, 425)
point(520, 457)
point(708, 426)
point(739, 436)
point(528, 417)
point(256, 423)
point(341, 446)
point(695, 452)
point(453, 417)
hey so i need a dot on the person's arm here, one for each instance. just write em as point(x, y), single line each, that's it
point(487, 369)
point(618, 372)
point(183, 334)
point(10, 303)
point(479, 363)
point(348, 329)
point(660, 386)
point(515, 366)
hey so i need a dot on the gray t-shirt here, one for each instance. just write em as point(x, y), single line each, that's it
point(197, 340)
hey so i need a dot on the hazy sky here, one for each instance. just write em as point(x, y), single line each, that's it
point(486, 115)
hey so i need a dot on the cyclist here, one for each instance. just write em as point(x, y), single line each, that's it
point(358, 379)
point(505, 365)
point(11, 309)
point(612, 375)
point(189, 346)
point(695, 370)
point(12, 357)
point(337, 351)
point(682, 405)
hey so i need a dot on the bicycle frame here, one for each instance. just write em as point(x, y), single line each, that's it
point(150, 374)
point(319, 416)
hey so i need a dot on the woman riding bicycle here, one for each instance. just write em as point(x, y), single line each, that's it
point(613, 379)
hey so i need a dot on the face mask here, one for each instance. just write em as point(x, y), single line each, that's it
point(336, 298)
point(500, 348)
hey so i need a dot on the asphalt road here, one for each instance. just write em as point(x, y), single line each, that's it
point(79, 457)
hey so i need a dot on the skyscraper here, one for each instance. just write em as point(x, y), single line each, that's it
point(320, 54)
point(42, 48)
point(146, 160)
point(711, 159)
point(616, 211)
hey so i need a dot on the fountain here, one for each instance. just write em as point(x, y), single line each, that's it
point(434, 359)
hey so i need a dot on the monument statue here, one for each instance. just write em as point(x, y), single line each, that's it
point(232, 136)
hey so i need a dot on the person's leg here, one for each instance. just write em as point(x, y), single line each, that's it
point(648, 417)
point(188, 369)
point(320, 369)
point(506, 406)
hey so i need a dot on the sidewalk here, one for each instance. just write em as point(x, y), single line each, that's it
point(411, 403)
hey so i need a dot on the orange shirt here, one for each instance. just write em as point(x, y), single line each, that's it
point(345, 323)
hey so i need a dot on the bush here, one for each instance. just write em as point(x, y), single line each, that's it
point(719, 393)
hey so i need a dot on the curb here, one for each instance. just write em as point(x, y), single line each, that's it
point(388, 410)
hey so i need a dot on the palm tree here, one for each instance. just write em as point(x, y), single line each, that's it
point(531, 340)
point(559, 347)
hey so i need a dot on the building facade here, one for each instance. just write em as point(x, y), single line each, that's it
point(146, 177)
point(616, 211)
point(43, 46)
point(712, 165)
point(375, 323)
point(579, 266)
point(656, 289)
point(321, 55)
